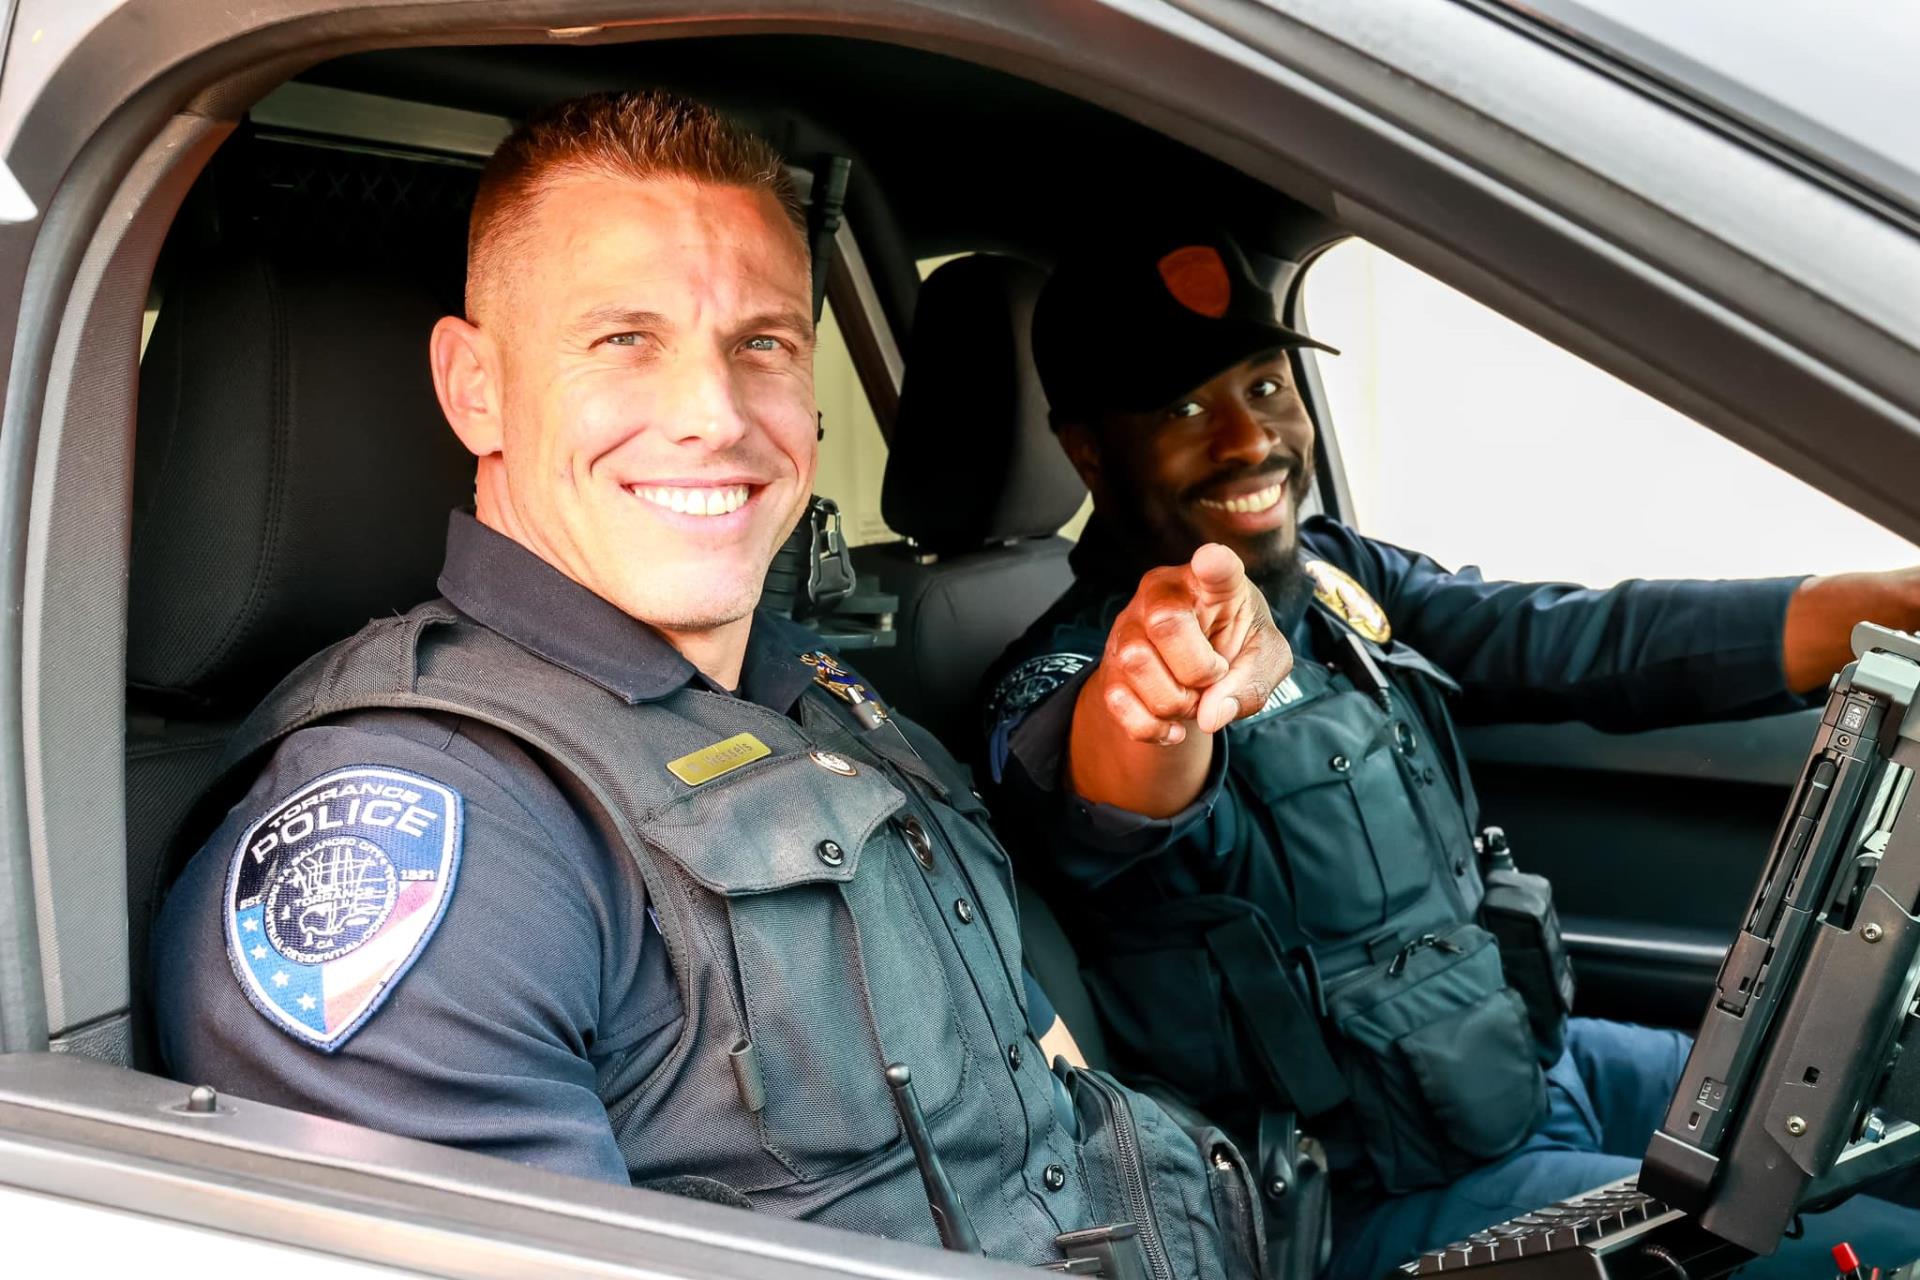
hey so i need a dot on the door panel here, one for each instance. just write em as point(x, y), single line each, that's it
point(1652, 841)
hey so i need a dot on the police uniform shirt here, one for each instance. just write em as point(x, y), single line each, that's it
point(542, 997)
point(1636, 656)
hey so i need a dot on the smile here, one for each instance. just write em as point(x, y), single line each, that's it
point(1248, 503)
point(719, 500)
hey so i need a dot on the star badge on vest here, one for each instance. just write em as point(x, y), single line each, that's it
point(1336, 589)
point(335, 892)
point(838, 681)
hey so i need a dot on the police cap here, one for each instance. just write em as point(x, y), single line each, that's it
point(1133, 325)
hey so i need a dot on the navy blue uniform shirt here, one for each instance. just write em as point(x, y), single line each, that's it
point(1638, 655)
point(543, 996)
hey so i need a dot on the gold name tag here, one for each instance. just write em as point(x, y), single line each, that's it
point(708, 763)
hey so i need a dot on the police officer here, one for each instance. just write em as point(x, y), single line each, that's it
point(588, 865)
point(1305, 848)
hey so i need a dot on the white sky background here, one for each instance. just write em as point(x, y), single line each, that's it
point(1467, 437)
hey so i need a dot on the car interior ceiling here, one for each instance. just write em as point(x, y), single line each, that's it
point(293, 472)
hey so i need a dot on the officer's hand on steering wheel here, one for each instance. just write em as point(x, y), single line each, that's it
point(1196, 644)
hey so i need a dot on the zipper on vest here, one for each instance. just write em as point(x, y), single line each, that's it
point(1133, 1174)
point(1398, 964)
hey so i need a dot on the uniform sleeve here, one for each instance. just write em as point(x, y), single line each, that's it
point(1030, 718)
point(1635, 656)
point(484, 1040)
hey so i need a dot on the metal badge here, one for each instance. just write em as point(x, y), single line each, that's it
point(1336, 589)
point(838, 681)
point(832, 763)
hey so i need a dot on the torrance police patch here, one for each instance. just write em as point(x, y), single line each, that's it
point(334, 893)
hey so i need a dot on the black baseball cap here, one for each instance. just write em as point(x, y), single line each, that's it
point(1133, 326)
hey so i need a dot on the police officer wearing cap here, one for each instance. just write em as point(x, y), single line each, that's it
point(589, 865)
point(1281, 897)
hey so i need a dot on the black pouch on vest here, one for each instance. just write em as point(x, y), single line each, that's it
point(1518, 911)
point(1440, 1058)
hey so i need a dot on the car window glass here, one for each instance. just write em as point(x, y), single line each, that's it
point(1468, 437)
point(853, 453)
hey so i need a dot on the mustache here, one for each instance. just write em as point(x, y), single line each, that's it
point(1297, 482)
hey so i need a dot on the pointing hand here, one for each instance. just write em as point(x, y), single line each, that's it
point(1196, 646)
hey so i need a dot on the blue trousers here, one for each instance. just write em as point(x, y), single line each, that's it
point(1606, 1096)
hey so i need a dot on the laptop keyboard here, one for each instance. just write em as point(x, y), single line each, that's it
point(1600, 1220)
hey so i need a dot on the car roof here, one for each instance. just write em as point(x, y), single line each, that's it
point(1832, 81)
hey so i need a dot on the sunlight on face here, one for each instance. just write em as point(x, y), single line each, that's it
point(656, 394)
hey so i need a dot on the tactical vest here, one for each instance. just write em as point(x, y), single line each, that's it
point(1354, 981)
point(833, 907)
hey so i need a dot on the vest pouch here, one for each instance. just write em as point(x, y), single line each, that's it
point(1518, 911)
point(1440, 1058)
point(829, 943)
point(1189, 1194)
point(1357, 850)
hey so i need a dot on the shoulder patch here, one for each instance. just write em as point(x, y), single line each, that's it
point(1022, 688)
point(334, 893)
point(1336, 589)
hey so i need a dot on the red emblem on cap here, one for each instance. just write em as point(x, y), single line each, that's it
point(1198, 279)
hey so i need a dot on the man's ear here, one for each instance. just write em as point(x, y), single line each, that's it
point(1083, 451)
point(466, 378)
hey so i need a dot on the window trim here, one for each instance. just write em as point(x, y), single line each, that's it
point(1330, 468)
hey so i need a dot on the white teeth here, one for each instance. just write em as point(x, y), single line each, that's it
point(1248, 504)
point(695, 502)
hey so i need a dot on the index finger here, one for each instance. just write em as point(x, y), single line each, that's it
point(1218, 574)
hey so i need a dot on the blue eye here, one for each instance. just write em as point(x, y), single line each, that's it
point(763, 344)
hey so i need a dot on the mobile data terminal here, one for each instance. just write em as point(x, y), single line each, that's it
point(1803, 1083)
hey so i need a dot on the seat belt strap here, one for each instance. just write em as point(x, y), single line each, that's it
point(1285, 1032)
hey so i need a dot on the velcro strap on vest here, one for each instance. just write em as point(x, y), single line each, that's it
point(1285, 1032)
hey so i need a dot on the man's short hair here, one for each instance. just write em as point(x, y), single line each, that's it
point(643, 135)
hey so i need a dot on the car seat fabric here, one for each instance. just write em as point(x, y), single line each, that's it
point(978, 486)
point(292, 473)
point(292, 479)
point(973, 460)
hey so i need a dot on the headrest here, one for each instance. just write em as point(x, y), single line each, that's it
point(292, 471)
point(973, 459)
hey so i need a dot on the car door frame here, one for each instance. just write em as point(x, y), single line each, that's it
point(107, 118)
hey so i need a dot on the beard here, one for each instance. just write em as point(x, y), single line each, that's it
point(1155, 528)
point(1287, 586)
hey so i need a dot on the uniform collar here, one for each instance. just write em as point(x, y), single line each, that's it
point(508, 589)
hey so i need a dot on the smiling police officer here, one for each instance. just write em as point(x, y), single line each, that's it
point(589, 865)
point(1306, 851)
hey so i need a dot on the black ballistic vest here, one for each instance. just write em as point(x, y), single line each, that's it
point(811, 902)
point(1345, 971)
